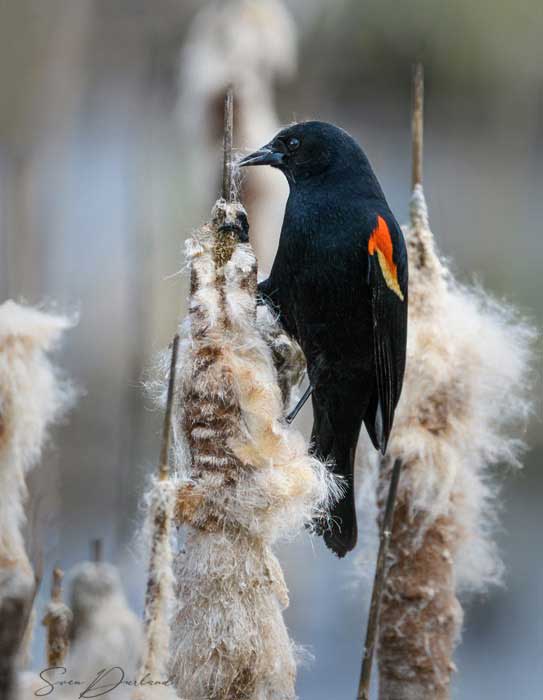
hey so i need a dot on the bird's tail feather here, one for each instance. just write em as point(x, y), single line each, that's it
point(340, 535)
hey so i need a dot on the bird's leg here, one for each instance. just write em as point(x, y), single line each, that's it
point(292, 415)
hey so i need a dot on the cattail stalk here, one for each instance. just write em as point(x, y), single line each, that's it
point(387, 520)
point(159, 594)
point(227, 180)
point(97, 551)
point(31, 398)
point(421, 617)
point(417, 125)
point(57, 620)
point(246, 479)
point(468, 361)
point(378, 585)
point(105, 633)
point(386, 525)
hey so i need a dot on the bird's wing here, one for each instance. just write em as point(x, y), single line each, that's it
point(387, 279)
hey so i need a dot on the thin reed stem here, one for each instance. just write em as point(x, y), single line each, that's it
point(164, 462)
point(417, 124)
point(378, 584)
point(97, 553)
point(227, 177)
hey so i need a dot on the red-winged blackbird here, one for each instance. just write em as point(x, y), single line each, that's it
point(339, 285)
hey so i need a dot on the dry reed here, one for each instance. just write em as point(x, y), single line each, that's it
point(247, 480)
point(465, 395)
point(57, 620)
point(159, 599)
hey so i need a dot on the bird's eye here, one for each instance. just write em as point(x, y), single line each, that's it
point(293, 143)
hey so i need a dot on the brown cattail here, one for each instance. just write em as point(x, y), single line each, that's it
point(57, 620)
point(105, 633)
point(246, 479)
point(465, 392)
point(160, 505)
point(31, 398)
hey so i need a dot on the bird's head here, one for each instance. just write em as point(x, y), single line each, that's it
point(306, 150)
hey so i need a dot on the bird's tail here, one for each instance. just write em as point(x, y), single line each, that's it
point(341, 533)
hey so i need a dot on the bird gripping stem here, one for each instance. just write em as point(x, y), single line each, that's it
point(301, 403)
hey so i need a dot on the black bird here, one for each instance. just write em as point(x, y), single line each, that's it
point(339, 286)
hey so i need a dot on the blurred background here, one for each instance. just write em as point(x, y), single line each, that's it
point(110, 125)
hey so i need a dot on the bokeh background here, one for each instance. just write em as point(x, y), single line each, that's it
point(110, 115)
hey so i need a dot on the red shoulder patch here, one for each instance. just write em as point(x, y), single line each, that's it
point(380, 242)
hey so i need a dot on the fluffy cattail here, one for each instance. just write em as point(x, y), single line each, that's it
point(160, 507)
point(57, 620)
point(248, 480)
point(159, 597)
point(248, 44)
point(105, 633)
point(16, 597)
point(465, 393)
point(31, 398)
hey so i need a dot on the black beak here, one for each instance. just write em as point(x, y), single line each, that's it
point(264, 156)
